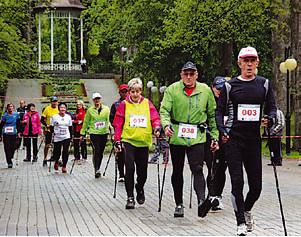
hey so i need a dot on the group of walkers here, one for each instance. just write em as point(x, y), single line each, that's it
point(218, 126)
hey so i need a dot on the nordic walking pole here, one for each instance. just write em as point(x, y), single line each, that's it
point(42, 140)
point(190, 197)
point(116, 167)
point(158, 169)
point(277, 183)
point(161, 193)
point(104, 173)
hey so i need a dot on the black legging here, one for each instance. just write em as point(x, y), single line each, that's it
point(80, 147)
point(139, 156)
point(120, 162)
point(248, 154)
point(57, 150)
point(195, 155)
point(10, 146)
point(27, 141)
point(98, 143)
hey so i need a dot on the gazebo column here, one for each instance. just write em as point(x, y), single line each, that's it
point(81, 39)
point(69, 40)
point(51, 40)
point(39, 46)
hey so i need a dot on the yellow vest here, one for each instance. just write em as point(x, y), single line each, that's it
point(137, 129)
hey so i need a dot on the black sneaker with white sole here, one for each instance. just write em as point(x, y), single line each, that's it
point(179, 211)
point(130, 203)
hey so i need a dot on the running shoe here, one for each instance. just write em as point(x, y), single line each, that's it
point(97, 174)
point(130, 203)
point(10, 166)
point(121, 180)
point(26, 160)
point(242, 230)
point(217, 206)
point(56, 166)
point(44, 163)
point(64, 169)
point(179, 211)
point(140, 197)
point(249, 221)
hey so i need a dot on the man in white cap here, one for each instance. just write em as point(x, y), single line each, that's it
point(96, 123)
point(252, 97)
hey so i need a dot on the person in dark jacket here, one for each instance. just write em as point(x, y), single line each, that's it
point(123, 91)
point(21, 110)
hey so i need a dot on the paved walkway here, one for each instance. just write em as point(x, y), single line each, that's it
point(36, 202)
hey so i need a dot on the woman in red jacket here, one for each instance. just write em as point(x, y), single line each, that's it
point(79, 116)
point(32, 129)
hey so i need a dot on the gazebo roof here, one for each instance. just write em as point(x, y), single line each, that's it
point(62, 5)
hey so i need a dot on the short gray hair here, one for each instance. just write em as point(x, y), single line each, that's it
point(135, 82)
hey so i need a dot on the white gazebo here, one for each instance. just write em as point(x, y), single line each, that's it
point(68, 9)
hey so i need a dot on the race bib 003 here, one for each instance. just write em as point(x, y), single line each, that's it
point(187, 130)
point(9, 129)
point(138, 121)
point(248, 112)
point(99, 125)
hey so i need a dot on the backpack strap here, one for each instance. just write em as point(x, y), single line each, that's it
point(266, 87)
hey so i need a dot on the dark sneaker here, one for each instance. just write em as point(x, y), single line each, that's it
point(44, 163)
point(179, 211)
point(217, 206)
point(140, 197)
point(205, 206)
point(56, 166)
point(10, 166)
point(97, 174)
point(35, 159)
point(130, 203)
point(27, 160)
point(121, 180)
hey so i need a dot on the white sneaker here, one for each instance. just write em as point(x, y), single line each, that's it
point(242, 230)
point(249, 221)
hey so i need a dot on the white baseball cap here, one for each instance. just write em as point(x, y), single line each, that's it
point(248, 52)
point(96, 95)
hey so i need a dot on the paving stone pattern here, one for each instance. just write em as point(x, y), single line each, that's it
point(36, 202)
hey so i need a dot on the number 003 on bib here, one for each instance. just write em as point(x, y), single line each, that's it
point(248, 112)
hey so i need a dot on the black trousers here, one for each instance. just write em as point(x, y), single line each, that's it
point(120, 162)
point(98, 143)
point(275, 147)
point(57, 151)
point(80, 148)
point(248, 154)
point(195, 155)
point(10, 146)
point(28, 140)
point(135, 156)
point(216, 167)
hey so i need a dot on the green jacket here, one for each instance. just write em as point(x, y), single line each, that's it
point(197, 108)
point(95, 122)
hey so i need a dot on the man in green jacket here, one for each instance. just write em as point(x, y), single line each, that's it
point(186, 106)
point(96, 123)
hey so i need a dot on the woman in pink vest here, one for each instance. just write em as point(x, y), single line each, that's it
point(32, 122)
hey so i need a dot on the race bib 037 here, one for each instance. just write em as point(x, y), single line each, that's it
point(138, 121)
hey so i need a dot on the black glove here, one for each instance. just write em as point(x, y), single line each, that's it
point(271, 120)
point(118, 146)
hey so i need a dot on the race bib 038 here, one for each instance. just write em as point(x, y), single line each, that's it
point(187, 130)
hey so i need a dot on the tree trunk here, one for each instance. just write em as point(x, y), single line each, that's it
point(296, 53)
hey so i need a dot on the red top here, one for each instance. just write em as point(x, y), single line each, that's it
point(189, 90)
point(120, 117)
point(79, 117)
